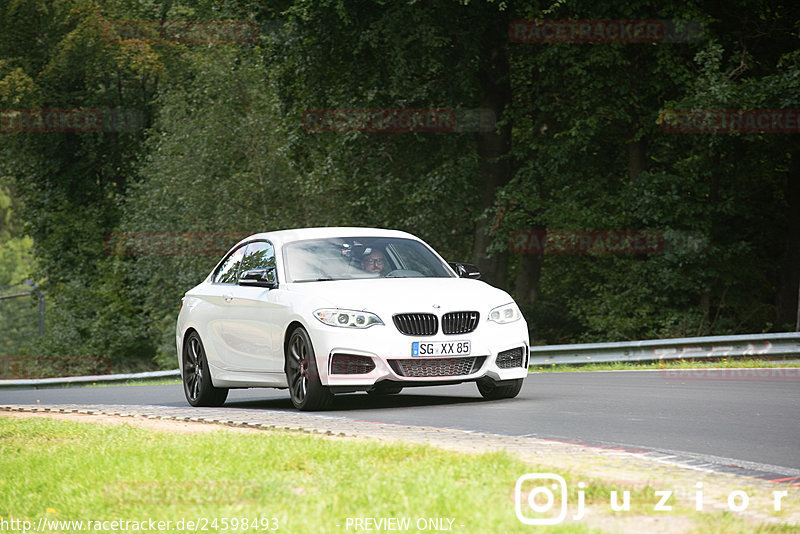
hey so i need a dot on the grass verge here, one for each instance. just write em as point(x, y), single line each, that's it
point(55, 471)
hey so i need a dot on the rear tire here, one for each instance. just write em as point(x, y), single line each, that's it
point(302, 375)
point(491, 391)
point(197, 385)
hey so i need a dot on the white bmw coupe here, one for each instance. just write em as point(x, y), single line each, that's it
point(322, 311)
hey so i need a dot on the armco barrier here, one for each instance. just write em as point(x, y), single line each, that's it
point(748, 345)
point(752, 345)
point(83, 380)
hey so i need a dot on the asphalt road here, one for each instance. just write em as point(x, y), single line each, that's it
point(745, 418)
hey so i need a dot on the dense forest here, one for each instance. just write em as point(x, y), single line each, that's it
point(625, 170)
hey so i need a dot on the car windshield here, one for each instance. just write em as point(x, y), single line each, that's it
point(358, 258)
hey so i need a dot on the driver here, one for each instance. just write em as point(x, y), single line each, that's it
point(374, 262)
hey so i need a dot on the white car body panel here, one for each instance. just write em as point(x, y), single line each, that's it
point(244, 328)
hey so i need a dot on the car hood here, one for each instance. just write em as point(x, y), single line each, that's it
point(404, 295)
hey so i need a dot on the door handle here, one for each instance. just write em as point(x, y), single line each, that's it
point(228, 297)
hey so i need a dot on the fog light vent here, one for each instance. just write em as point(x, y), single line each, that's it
point(510, 358)
point(350, 364)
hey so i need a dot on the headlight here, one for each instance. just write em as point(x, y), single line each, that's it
point(507, 313)
point(347, 318)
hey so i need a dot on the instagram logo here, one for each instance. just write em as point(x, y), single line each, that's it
point(534, 498)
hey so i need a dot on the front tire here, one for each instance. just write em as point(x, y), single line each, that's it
point(197, 385)
point(490, 390)
point(302, 375)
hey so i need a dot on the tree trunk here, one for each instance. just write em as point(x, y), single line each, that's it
point(492, 147)
point(637, 158)
point(526, 283)
point(787, 306)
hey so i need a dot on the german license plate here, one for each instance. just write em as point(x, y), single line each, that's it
point(421, 349)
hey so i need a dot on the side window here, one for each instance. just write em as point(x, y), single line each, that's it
point(259, 255)
point(416, 257)
point(227, 272)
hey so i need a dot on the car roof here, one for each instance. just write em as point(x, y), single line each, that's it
point(281, 237)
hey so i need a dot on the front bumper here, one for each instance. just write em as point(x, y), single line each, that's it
point(359, 359)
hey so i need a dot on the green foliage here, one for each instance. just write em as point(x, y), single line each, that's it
point(16, 259)
point(213, 144)
point(721, 201)
point(218, 138)
point(18, 316)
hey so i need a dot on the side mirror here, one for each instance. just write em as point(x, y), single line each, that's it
point(259, 278)
point(465, 270)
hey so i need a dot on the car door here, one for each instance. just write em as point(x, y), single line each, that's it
point(212, 312)
point(253, 317)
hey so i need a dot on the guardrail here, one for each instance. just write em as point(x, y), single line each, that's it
point(752, 345)
point(83, 380)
